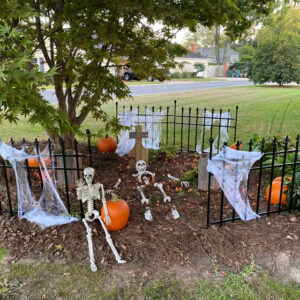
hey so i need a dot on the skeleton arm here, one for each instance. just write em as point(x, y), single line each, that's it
point(107, 218)
point(80, 190)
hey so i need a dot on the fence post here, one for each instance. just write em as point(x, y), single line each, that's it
point(37, 151)
point(211, 140)
point(167, 138)
point(294, 172)
point(219, 133)
point(181, 128)
point(272, 173)
point(174, 133)
point(259, 176)
point(222, 194)
point(203, 130)
point(88, 134)
point(283, 171)
point(189, 129)
point(27, 165)
point(236, 119)
point(7, 188)
point(62, 145)
point(117, 113)
point(196, 129)
point(78, 174)
point(236, 169)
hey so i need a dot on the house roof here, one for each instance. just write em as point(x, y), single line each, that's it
point(209, 52)
point(193, 55)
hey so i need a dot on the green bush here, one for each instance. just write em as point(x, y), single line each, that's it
point(176, 75)
point(188, 74)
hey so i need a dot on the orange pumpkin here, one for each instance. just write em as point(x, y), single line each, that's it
point(275, 193)
point(234, 146)
point(280, 178)
point(107, 144)
point(118, 211)
point(33, 162)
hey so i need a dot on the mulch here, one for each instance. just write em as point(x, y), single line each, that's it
point(164, 242)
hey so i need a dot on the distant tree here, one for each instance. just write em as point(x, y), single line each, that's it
point(277, 58)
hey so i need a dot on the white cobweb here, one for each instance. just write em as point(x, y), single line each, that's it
point(231, 169)
point(150, 122)
point(208, 120)
point(49, 210)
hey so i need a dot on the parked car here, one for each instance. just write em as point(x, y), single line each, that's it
point(128, 74)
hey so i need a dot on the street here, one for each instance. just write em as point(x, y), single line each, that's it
point(173, 87)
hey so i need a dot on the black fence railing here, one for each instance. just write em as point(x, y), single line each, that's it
point(185, 128)
point(279, 160)
point(68, 165)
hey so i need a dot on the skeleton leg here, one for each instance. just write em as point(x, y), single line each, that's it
point(140, 190)
point(110, 243)
point(90, 243)
point(160, 187)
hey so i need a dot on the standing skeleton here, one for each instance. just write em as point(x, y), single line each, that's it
point(89, 192)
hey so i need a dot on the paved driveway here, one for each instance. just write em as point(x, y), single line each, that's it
point(138, 90)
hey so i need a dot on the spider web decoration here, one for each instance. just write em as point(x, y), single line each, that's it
point(150, 121)
point(210, 119)
point(49, 210)
point(231, 169)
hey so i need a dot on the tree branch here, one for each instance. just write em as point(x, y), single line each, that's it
point(40, 35)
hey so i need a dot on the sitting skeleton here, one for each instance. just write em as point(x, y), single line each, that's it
point(143, 177)
point(89, 192)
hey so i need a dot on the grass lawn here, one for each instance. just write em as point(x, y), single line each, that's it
point(261, 110)
point(62, 281)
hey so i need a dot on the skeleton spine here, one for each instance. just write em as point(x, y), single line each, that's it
point(90, 206)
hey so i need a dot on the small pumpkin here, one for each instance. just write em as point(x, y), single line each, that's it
point(275, 193)
point(118, 211)
point(33, 162)
point(234, 146)
point(107, 144)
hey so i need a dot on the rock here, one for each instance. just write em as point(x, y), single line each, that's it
point(293, 219)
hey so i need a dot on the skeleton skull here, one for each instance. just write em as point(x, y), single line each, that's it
point(141, 166)
point(88, 174)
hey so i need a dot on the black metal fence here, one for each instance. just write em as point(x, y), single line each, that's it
point(183, 127)
point(281, 159)
point(65, 168)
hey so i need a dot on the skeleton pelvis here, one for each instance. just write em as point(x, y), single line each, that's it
point(91, 216)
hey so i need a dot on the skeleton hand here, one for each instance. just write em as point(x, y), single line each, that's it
point(80, 183)
point(107, 219)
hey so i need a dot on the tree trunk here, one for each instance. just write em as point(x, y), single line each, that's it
point(226, 50)
point(217, 44)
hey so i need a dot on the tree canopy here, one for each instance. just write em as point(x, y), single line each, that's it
point(83, 40)
point(277, 57)
point(20, 80)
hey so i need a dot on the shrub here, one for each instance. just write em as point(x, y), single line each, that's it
point(176, 75)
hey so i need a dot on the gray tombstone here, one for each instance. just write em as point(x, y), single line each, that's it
point(70, 163)
point(203, 175)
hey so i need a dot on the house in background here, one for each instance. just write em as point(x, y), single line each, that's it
point(210, 53)
point(207, 57)
point(187, 63)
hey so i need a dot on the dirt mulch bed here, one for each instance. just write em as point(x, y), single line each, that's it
point(165, 242)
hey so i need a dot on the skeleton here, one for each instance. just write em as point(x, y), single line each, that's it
point(142, 174)
point(143, 178)
point(89, 192)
